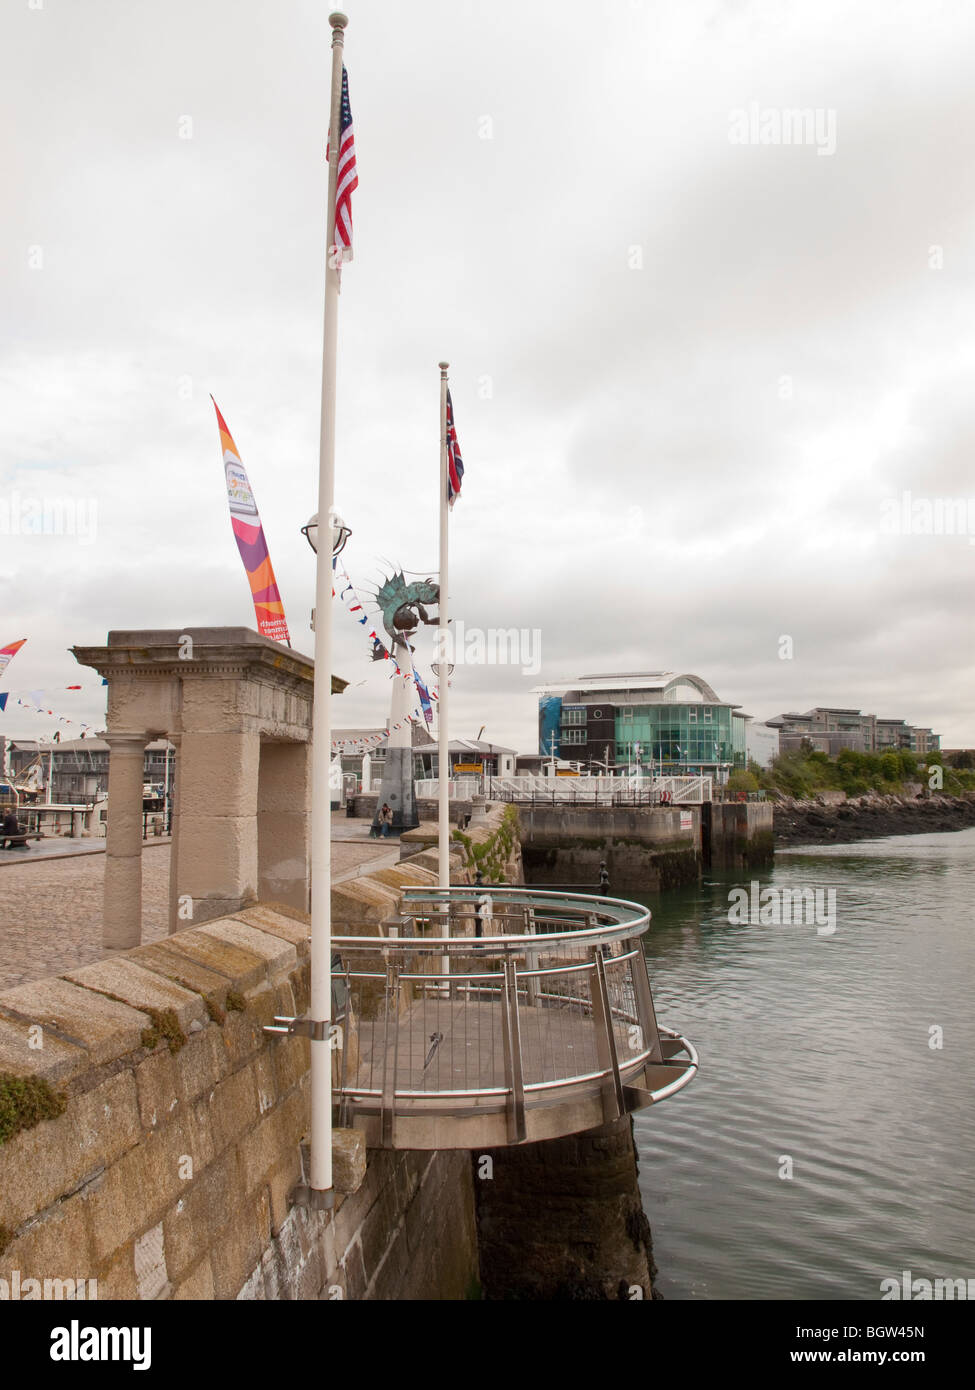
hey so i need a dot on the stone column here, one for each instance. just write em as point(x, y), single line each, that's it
point(398, 787)
point(122, 923)
point(217, 833)
point(562, 1219)
point(283, 823)
point(218, 693)
point(176, 922)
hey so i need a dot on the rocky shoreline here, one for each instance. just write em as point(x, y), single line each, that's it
point(827, 821)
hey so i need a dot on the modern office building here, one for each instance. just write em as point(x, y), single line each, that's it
point(826, 730)
point(892, 736)
point(924, 741)
point(661, 720)
point(831, 728)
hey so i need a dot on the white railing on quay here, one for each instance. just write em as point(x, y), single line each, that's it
point(580, 790)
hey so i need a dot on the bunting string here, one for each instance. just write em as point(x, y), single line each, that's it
point(37, 702)
point(346, 591)
point(353, 604)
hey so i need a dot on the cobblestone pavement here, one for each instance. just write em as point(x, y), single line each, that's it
point(51, 910)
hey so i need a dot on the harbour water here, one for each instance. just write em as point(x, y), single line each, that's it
point(820, 1048)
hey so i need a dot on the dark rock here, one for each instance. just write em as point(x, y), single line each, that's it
point(803, 823)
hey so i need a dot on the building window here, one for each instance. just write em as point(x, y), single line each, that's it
point(572, 715)
point(573, 736)
point(692, 716)
point(708, 715)
point(626, 712)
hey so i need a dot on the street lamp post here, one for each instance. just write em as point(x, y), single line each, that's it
point(319, 1188)
point(340, 533)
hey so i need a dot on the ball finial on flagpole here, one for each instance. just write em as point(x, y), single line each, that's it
point(338, 20)
point(443, 366)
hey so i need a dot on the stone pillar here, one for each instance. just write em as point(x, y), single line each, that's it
point(219, 694)
point(283, 824)
point(217, 841)
point(398, 787)
point(176, 921)
point(563, 1220)
point(122, 921)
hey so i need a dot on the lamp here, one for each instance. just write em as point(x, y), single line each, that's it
point(340, 533)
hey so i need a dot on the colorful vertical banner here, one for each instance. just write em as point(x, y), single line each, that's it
point(8, 653)
point(249, 534)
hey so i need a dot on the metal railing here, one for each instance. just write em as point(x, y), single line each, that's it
point(156, 823)
point(600, 791)
point(496, 1015)
point(580, 791)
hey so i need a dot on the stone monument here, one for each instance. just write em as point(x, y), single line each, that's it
point(403, 609)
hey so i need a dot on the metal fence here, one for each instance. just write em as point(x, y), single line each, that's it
point(493, 1015)
point(601, 791)
point(579, 791)
point(156, 823)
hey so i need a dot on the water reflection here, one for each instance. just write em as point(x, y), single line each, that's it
point(818, 1049)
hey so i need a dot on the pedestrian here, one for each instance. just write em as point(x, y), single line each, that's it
point(385, 820)
point(11, 832)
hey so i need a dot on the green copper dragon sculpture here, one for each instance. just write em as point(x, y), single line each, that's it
point(398, 600)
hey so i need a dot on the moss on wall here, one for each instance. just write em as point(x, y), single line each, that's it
point(165, 1026)
point(25, 1101)
point(492, 855)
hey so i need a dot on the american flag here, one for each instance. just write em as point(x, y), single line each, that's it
point(347, 179)
point(455, 464)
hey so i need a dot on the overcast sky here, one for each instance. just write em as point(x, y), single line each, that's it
point(688, 369)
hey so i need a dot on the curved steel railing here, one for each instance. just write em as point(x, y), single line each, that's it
point(496, 1003)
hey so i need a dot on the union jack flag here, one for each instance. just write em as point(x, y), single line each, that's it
point(455, 464)
point(346, 181)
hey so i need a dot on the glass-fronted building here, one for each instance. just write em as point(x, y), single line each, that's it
point(659, 720)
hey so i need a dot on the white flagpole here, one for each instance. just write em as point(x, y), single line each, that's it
point(443, 677)
point(320, 1008)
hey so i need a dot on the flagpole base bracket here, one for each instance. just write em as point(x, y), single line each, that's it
point(314, 1028)
point(313, 1198)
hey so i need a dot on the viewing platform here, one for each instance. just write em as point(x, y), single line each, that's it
point(490, 1016)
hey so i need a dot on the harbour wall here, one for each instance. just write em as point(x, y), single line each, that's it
point(562, 1220)
point(737, 834)
point(645, 849)
point(174, 1130)
point(151, 1135)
